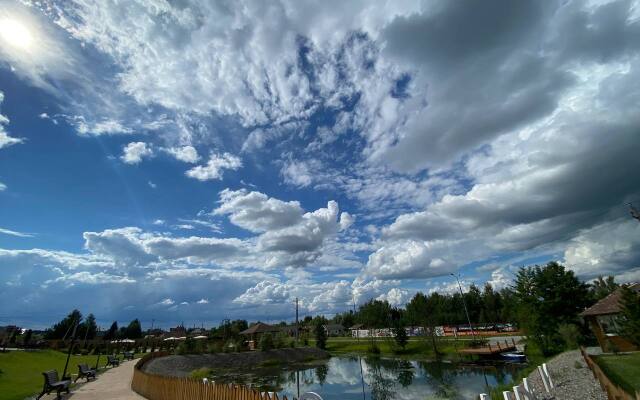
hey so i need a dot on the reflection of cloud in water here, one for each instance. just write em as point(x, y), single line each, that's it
point(387, 379)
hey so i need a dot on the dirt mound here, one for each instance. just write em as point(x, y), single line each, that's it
point(183, 365)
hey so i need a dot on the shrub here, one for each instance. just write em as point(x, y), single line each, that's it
point(201, 373)
point(373, 348)
point(266, 342)
point(321, 336)
point(570, 335)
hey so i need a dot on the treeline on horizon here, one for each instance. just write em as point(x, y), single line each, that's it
point(544, 301)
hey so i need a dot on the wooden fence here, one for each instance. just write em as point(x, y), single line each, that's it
point(158, 387)
point(614, 392)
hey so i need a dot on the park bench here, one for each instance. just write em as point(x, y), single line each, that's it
point(128, 355)
point(113, 361)
point(52, 382)
point(85, 372)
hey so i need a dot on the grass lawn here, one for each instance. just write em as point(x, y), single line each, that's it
point(622, 369)
point(21, 374)
point(416, 347)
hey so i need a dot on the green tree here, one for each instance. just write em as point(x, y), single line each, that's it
point(629, 321)
point(400, 333)
point(602, 287)
point(88, 328)
point(133, 330)
point(26, 341)
point(266, 342)
point(320, 336)
point(547, 297)
point(64, 328)
point(112, 333)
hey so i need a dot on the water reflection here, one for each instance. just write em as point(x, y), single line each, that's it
point(381, 379)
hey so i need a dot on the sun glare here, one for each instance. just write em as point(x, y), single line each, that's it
point(15, 33)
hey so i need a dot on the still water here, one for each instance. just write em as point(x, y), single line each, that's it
point(380, 379)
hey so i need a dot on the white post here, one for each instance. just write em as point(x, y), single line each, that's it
point(527, 390)
point(516, 392)
point(484, 396)
point(546, 371)
point(544, 379)
point(506, 395)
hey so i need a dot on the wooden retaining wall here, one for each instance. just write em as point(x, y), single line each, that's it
point(614, 392)
point(158, 387)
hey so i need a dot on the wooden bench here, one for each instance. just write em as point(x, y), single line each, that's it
point(85, 372)
point(113, 361)
point(52, 382)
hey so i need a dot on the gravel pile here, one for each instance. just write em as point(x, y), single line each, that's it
point(571, 377)
point(183, 365)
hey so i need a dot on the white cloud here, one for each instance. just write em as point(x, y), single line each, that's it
point(152, 185)
point(103, 127)
point(187, 154)
point(5, 139)
point(134, 152)
point(396, 297)
point(264, 292)
point(203, 301)
point(2, 187)
point(167, 302)
point(214, 168)
point(15, 233)
point(256, 211)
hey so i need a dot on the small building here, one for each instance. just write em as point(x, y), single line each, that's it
point(256, 330)
point(333, 329)
point(603, 321)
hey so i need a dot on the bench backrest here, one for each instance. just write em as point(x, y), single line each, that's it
point(83, 368)
point(51, 377)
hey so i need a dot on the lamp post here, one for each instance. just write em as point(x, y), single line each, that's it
point(464, 303)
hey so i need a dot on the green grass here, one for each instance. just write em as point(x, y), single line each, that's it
point(416, 347)
point(21, 374)
point(622, 369)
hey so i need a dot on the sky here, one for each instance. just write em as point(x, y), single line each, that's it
point(190, 161)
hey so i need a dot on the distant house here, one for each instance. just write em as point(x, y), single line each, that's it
point(256, 330)
point(333, 329)
point(603, 320)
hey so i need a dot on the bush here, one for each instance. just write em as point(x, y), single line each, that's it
point(321, 336)
point(570, 334)
point(373, 348)
point(282, 340)
point(266, 342)
point(201, 373)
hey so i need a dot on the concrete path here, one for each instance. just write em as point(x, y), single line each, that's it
point(113, 384)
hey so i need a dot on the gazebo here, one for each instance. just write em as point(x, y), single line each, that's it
point(602, 318)
point(256, 330)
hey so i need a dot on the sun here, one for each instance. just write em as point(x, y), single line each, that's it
point(15, 33)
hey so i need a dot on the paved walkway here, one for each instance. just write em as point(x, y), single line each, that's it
point(113, 384)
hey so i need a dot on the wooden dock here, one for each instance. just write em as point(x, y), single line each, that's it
point(490, 350)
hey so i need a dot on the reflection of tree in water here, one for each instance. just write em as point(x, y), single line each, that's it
point(380, 385)
point(441, 377)
point(406, 373)
point(321, 373)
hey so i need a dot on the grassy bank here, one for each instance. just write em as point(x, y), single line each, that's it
point(535, 357)
point(21, 374)
point(622, 369)
point(415, 348)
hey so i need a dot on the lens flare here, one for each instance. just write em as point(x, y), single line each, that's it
point(15, 33)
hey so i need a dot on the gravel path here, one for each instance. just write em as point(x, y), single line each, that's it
point(183, 365)
point(571, 377)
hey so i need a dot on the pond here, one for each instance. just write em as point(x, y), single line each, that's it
point(346, 377)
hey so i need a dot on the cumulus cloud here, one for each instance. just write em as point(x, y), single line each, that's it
point(187, 154)
point(256, 211)
point(5, 139)
point(134, 152)
point(213, 169)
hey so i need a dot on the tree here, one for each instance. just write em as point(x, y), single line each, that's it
point(133, 330)
point(88, 328)
point(400, 333)
point(602, 287)
point(112, 333)
point(320, 336)
point(629, 321)
point(26, 341)
point(64, 328)
point(547, 297)
point(266, 342)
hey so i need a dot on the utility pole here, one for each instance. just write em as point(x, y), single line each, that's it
point(297, 328)
point(354, 315)
point(465, 306)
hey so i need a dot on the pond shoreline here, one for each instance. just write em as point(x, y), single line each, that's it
point(183, 365)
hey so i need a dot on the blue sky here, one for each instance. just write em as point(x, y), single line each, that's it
point(196, 161)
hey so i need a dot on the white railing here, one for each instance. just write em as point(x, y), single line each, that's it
point(524, 391)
